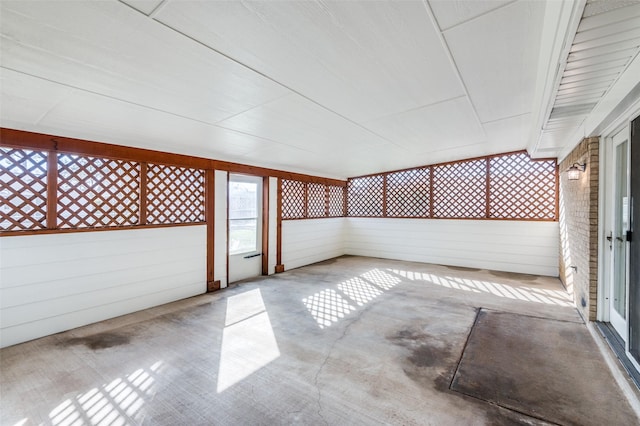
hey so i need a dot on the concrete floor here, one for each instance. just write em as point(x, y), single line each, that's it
point(347, 341)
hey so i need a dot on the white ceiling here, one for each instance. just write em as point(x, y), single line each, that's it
point(336, 89)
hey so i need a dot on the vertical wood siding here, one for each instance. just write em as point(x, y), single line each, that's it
point(51, 283)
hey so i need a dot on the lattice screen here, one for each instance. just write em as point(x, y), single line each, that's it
point(174, 194)
point(96, 192)
point(336, 200)
point(408, 193)
point(459, 189)
point(317, 200)
point(521, 188)
point(23, 189)
point(292, 199)
point(365, 196)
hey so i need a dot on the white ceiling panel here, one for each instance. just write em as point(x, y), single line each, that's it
point(144, 6)
point(26, 99)
point(452, 123)
point(510, 133)
point(73, 113)
point(497, 55)
point(294, 121)
point(360, 59)
point(453, 12)
point(109, 48)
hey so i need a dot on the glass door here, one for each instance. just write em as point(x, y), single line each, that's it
point(245, 227)
point(617, 235)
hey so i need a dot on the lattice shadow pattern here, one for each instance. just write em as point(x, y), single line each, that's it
point(459, 190)
point(96, 192)
point(293, 199)
point(23, 189)
point(521, 188)
point(174, 194)
point(408, 193)
point(365, 196)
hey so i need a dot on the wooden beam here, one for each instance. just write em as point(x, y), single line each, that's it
point(210, 206)
point(265, 225)
point(52, 190)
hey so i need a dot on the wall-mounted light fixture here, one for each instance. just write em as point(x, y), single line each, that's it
point(574, 171)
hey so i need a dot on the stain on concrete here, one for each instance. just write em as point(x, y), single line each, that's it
point(429, 360)
point(99, 341)
point(539, 373)
point(514, 276)
point(462, 268)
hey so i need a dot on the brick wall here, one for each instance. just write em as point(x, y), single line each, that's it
point(579, 227)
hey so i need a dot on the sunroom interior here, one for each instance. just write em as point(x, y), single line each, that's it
point(416, 212)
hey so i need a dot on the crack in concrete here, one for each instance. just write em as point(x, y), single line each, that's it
point(357, 318)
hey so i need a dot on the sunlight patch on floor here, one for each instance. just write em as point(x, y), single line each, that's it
point(248, 341)
point(115, 403)
point(522, 293)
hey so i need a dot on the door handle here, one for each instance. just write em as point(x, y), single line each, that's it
point(252, 255)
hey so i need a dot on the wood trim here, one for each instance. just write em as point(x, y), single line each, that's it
point(305, 205)
point(265, 225)
point(143, 194)
point(557, 192)
point(431, 192)
point(449, 218)
point(487, 189)
point(227, 226)
point(209, 211)
point(345, 196)
point(40, 141)
point(100, 229)
point(326, 201)
point(279, 226)
point(384, 195)
point(52, 190)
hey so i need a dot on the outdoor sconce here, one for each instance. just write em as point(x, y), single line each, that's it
point(574, 171)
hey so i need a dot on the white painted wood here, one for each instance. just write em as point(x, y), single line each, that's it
point(453, 12)
point(499, 66)
point(312, 240)
point(127, 59)
point(513, 246)
point(144, 6)
point(423, 130)
point(273, 225)
point(51, 283)
point(220, 229)
point(360, 59)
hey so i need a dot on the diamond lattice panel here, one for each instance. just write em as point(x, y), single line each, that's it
point(97, 192)
point(365, 196)
point(174, 194)
point(23, 188)
point(408, 193)
point(292, 199)
point(336, 201)
point(317, 200)
point(521, 188)
point(459, 189)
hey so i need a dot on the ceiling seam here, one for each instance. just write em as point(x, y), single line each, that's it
point(473, 18)
point(383, 117)
point(447, 50)
point(506, 118)
point(266, 76)
point(80, 89)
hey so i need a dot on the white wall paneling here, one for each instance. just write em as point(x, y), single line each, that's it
point(311, 240)
point(55, 282)
point(514, 246)
point(220, 229)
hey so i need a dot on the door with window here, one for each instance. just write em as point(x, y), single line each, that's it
point(245, 227)
point(618, 224)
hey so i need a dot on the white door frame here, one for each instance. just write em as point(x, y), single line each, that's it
point(246, 264)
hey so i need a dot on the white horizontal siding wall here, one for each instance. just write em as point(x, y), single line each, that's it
point(513, 246)
point(51, 283)
point(312, 240)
